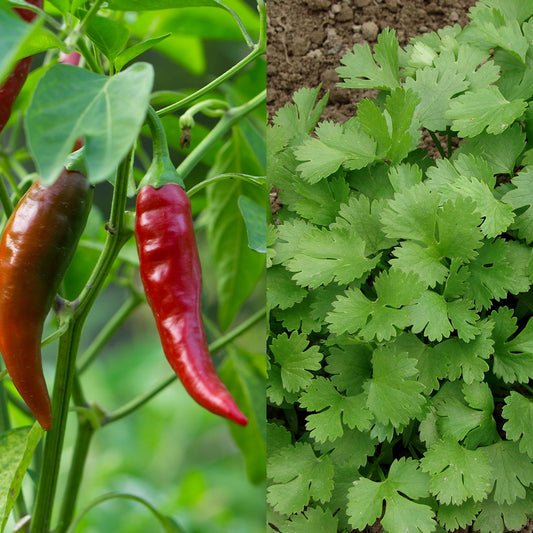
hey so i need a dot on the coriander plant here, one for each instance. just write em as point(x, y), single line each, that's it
point(399, 288)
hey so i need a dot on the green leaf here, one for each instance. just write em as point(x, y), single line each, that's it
point(238, 268)
point(362, 218)
point(361, 70)
point(474, 111)
point(354, 312)
point(16, 452)
point(452, 517)
point(299, 477)
point(244, 374)
point(518, 411)
point(14, 35)
point(255, 219)
point(314, 519)
point(332, 410)
point(513, 471)
point(297, 120)
point(500, 151)
point(457, 473)
point(405, 480)
point(323, 256)
point(336, 145)
point(467, 357)
point(282, 291)
point(124, 57)
point(513, 360)
point(297, 359)
point(107, 112)
point(495, 517)
point(521, 197)
point(394, 394)
point(435, 90)
point(109, 36)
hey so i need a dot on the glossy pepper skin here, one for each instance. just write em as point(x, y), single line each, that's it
point(36, 248)
point(172, 278)
point(13, 84)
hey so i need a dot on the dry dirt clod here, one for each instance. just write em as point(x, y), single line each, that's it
point(370, 31)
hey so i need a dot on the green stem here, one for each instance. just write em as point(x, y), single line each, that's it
point(438, 144)
point(138, 402)
point(255, 180)
point(5, 200)
point(258, 50)
point(77, 466)
point(108, 331)
point(68, 347)
point(231, 117)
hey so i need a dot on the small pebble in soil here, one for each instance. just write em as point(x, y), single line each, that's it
point(318, 5)
point(370, 31)
point(345, 14)
point(362, 3)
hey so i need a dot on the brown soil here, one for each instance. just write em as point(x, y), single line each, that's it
point(307, 39)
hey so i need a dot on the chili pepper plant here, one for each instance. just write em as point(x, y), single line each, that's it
point(399, 288)
point(132, 186)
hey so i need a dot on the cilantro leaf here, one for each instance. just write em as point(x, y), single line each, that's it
point(468, 358)
point(326, 255)
point(435, 88)
point(513, 471)
point(452, 517)
point(362, 71)
point(495, 517)
point(522, 196)
point(457, 473)
point(282, 291)
point(298, 119)
point(296, 359)
point(314, 519)
point(492, 276)
point(299, 477)
point(394, 394)
point(513, 360)
point(336, 145)
point(354, 312)
point(518, 411)
point(360, 215)
point(405, 480)
point(349, 365)
point(322, 396)
point(500, 151)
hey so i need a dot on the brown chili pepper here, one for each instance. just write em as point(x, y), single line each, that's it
point(36, 249)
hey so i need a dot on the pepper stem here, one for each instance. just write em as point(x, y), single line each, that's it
point(162, 170)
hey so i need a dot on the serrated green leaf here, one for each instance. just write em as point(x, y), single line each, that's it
point(296, 359)
point(299, 477)
point(394, 394)
point(518, 411)
point(336, 145)
point(314, 519)
point(457, 473)
point(323, 256)
point(362, 70)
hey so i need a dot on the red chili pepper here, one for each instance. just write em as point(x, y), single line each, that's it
point(172, 279)
point(13, 84)
point(35, 251)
